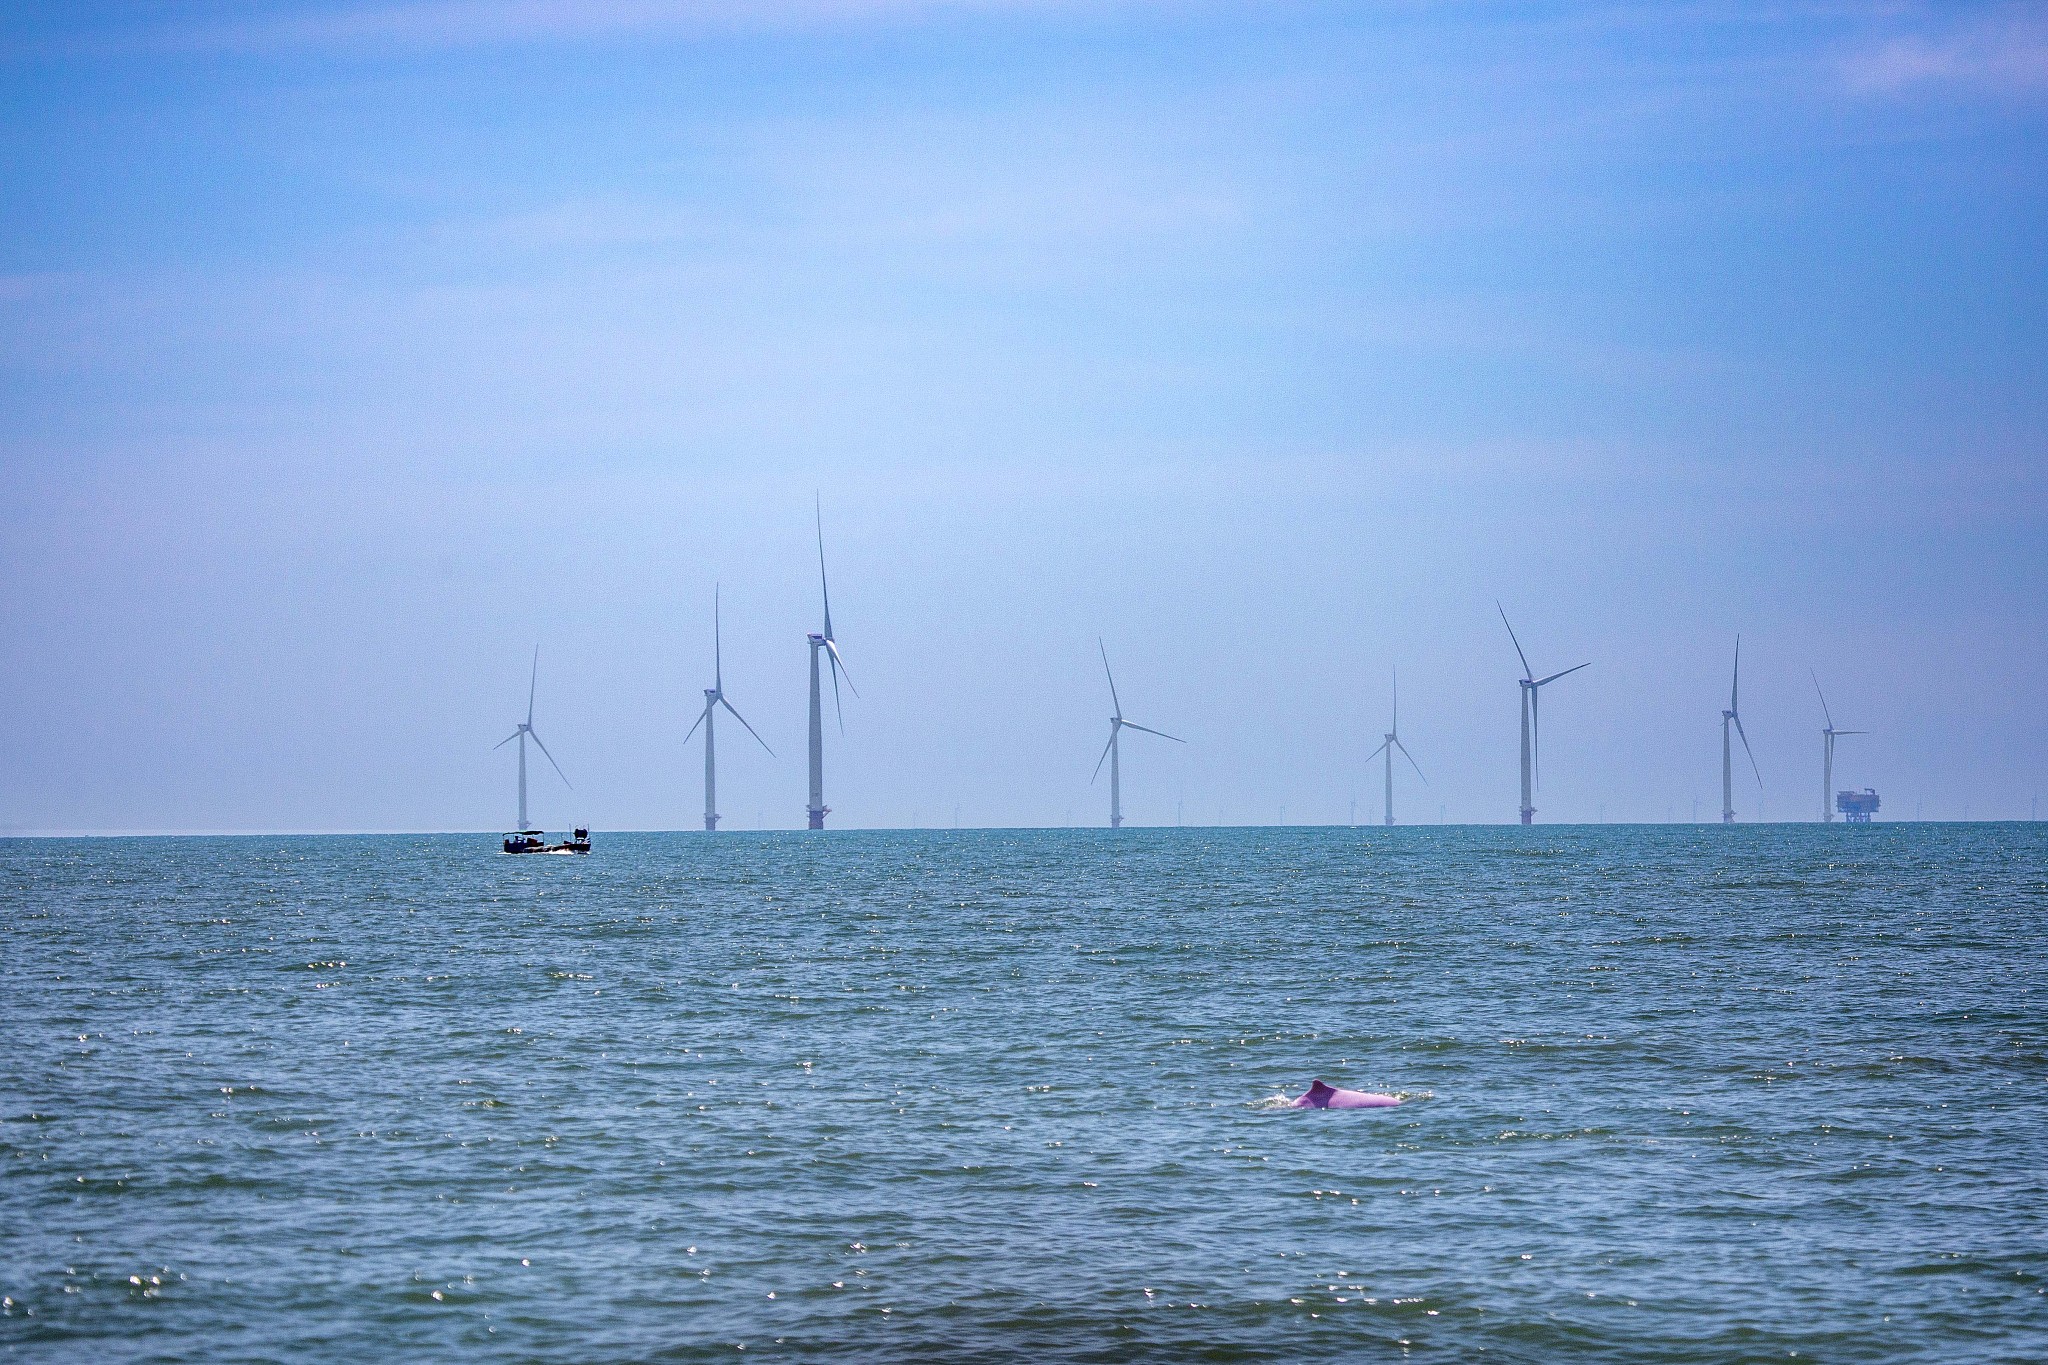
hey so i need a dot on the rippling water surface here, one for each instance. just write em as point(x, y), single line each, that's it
point(1675, 1093)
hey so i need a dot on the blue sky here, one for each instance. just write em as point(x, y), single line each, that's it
point(347, 351)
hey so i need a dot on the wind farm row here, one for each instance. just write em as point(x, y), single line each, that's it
point(826, 661)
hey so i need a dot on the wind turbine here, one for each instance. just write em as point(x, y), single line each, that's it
point(1732, 716)
point(521, 734)
point(1110, 751)
point(1532, 729)
point(1827, 753)
point(1387, 747)
point(818, 810)
point(714, 697)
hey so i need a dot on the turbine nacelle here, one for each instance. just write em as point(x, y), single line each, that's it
point(1117, 725)
point(524, 731)
point(1829, 734)
point(1532, 717)
point(816, 810)
point(714, 696)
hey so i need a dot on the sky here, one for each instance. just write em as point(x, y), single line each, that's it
point(351, 351)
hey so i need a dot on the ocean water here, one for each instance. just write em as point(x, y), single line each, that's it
point(1674, 1094)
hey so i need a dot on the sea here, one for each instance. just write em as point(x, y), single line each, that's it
point(1671, 1093)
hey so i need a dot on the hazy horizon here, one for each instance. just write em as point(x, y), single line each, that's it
point(349, 351)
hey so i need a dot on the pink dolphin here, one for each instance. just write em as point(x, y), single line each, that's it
point(1321, 1096)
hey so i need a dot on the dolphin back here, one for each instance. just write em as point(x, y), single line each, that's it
point(1322, 1095)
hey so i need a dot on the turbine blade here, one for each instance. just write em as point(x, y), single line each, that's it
point(1823, 699)
point(1527, 672)
point(1839, 733)
point(701, 715)
point(1735, 686)
point(1116, 705)
point(1376, 752)
point(1536, 736)
point(531, 684)
point(1133, 725)
point(1104, 759)
point(717, 643)
point(1542, 682)
point(1746, 749)
point(837, 668)
point(824, 591)
point(506, 740)
point(1411, 761)
point(743, 720)
point(551, 759)
point(838, 663)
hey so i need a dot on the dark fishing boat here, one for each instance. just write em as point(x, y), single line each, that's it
point(534, 841)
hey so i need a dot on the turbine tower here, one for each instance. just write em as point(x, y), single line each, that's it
point(714, 697)
point(1387, 747)
point(817, 810)
point(1110, 751)
point(1732, 716)
point(521, 734)
point(1532, 728)
point(1827, 753)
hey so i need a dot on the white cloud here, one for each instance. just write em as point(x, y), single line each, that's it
point(2005, 54)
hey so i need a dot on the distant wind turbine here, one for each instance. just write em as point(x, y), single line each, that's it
point(1532, 730)
point(1387, 747)
point(1827, 753)
point(1733, 716)
point(1111, 750)
point(714, 697)
point(521, 734)
point(817, 810)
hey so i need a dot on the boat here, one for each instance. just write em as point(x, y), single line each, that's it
point(535, 841)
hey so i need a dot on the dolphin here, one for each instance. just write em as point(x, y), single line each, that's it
point(1322, 1096)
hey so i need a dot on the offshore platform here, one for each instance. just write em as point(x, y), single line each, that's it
point(1857, 807)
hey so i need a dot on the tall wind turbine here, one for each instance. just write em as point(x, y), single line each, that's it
point(1733, 716)
point(1827, 752)
point(521, 734)
point(1532, 728)
point(1387, 747)
point(714, 697)
point(1111, 751)
point(817, 810)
